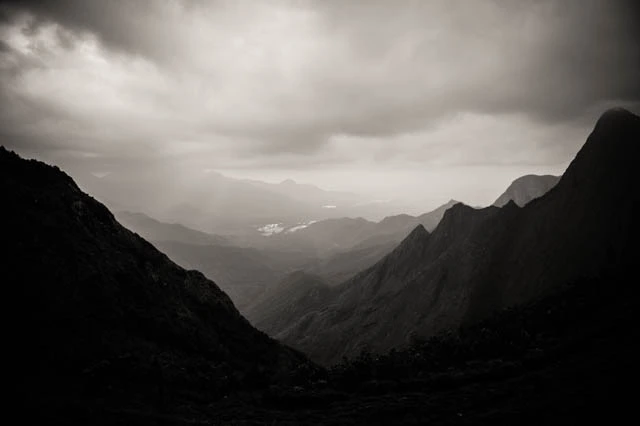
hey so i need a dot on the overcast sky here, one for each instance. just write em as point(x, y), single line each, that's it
point(425, 100)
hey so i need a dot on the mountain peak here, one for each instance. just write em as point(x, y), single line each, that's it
point(460, 219)
point(288, 182)
point(510, 205)
point(458, 208)
point(455, 214)
point(395, 218)
point(614, 116)
point(526, 188)
point(615, 121)
point(607, 158)
point(418, 232)
point(412, 244)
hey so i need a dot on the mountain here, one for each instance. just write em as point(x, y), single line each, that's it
point(526, 188)
point(203, 200)
point(310, 194)
point(289, 299)
point(340, 266)
point(242, 272)
point(339, 235)
point(431, 219)
point(330, 235)
point(341, 248)
point(212, 202)
point(104, 316)
point(478, 261)
point(334, 249)
point(154, 230)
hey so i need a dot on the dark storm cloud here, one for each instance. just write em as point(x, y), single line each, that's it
point(549, 59)
point(314, 83)
point(131, 26)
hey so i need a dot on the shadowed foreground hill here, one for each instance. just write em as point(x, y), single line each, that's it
point(103, 314)
point(479, 261)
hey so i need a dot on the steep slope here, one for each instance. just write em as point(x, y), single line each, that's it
point(367, 242)
point(431, 219)
point(477, 261)
point(389, 304)
point(242, 272)
point(154, 230)
point(290, 299)
point(101, 310)
point(585, 225)
point(527, 188)
point(340, 266)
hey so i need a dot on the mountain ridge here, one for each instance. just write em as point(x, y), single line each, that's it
point(477, 261)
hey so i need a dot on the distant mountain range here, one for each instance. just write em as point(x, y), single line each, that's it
point(346, 233)
point(98, 304)
point(478, 261)
point(212, 202)
point(334, 249)
point(527, 188)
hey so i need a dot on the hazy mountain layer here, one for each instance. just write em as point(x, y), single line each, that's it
point(212, 202)
point(331, 236)
point(154, 230)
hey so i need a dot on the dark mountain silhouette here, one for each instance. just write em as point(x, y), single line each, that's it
point(103, 314)
point(526, 188)
point(154, 230)
point(479, 261)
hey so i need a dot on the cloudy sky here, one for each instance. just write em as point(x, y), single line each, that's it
point(421, 100)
